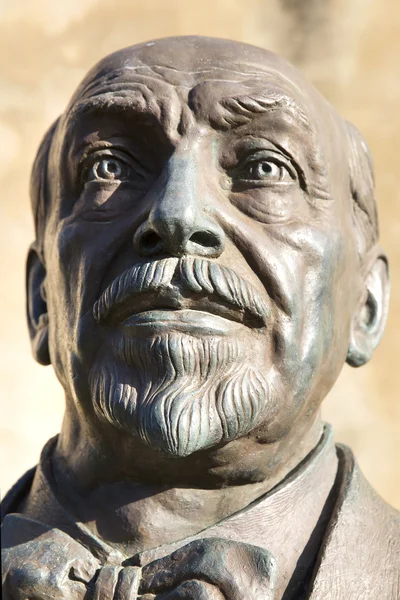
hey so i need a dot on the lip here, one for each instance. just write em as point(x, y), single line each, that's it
point(169, 308)
point(186, 320)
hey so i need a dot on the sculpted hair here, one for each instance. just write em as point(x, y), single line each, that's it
point(362, 188)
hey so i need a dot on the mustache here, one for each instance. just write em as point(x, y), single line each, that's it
point(189, 274)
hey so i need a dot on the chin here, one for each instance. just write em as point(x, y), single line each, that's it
point(181, 393)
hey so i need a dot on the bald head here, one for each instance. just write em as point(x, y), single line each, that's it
point(178, 58)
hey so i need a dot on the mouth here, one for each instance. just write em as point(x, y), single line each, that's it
point(170, 310)
point(186, 320)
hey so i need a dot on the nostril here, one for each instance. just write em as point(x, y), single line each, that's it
point(150, 240)
point(206, 239)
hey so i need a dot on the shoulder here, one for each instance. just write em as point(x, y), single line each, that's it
point(17, 497)
point(17, 494)
point(361, 508)
point(360, 555)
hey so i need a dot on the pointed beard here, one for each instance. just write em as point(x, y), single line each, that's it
point(179, 393)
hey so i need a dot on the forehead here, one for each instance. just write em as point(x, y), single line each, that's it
point(204, 73)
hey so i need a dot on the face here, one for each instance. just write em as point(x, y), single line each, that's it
point(199, 255)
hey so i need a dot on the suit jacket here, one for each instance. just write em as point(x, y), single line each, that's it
point(357, 559)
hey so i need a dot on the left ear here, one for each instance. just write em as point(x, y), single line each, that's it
point(369, 321)
point(38, 320)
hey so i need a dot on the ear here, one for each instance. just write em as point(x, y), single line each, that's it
point(38, 320)
point(369, 321)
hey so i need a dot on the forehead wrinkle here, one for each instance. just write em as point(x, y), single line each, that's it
point(219, 71)
point(209, 69)
point(242, 68)
point(161, 71)
point(158, 71)
point(257, 72)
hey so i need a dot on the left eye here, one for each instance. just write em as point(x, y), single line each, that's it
point(268, 170)
point(107, 169)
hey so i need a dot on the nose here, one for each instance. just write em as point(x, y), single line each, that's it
point(177, 224)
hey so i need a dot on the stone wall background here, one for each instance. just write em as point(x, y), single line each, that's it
point(350, 49)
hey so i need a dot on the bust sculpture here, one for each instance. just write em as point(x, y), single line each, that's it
point(206, 260)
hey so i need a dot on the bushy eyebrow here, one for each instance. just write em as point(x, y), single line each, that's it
point(129, 99)
point(234, 111)
point(116, 103)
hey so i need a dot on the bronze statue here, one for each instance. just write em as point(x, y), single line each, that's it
point(206, 260)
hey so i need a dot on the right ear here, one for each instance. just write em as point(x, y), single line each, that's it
point(38, 320)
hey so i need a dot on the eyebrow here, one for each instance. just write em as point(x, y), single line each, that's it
point(239, 110)
point(116, 101)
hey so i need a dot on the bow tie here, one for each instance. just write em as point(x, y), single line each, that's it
point(43, 563)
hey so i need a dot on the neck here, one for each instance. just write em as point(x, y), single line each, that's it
point(136, 505)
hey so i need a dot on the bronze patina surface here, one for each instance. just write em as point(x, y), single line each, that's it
point(206, 260)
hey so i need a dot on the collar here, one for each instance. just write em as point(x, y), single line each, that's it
point(289, 521)
point(281, 521)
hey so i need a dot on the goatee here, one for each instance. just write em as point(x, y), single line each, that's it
point(179, 393)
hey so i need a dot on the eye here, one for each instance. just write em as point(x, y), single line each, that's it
point(107, 169)
point(265, 170)
point(106, 165)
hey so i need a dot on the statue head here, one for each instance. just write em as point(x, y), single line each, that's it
point(206, 254)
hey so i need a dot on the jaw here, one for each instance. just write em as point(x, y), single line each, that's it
point(247, 461)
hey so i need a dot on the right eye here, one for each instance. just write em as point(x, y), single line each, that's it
point(106, 168)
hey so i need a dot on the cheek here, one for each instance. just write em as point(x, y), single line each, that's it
point(328, 298)
point(272, 205)
point(75, 271)
point(107, 201)
point(323, 254)
point(315, 339)
point(82, 253)
point(318, 271)
point(335, 267)
point(328, 274)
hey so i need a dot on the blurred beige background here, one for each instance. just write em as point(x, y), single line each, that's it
point(350, 49)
